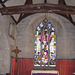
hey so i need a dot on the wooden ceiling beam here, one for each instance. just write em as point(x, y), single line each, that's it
point(68, 16)
point(4, 1)
point(24, 15)
point(5, 7)
point(45, 1)
point(38, 8)
point(70, 19)
point(28, 2)
point(62, 2)
point(13, 19)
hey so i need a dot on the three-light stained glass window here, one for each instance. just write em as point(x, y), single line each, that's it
point(45, 45)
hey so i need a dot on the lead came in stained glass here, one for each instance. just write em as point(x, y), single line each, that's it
point(45, 45)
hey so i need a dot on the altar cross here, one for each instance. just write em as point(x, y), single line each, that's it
point(16, 52)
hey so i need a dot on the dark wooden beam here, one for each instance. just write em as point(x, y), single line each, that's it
point(24, 15)
point(4, 1)
point(70, 19)
point(62, 2)
point(13, 19)
point(10, 15)
point(28, 2)
point(39, 8)
point(45, 1)
point(19, 18)
point(68, 16)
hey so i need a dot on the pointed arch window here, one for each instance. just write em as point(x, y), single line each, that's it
point(45, 45)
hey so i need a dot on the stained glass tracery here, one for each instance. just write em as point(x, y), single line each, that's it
point(45, 45)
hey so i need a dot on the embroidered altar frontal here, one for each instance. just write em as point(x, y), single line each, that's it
point(43, 74)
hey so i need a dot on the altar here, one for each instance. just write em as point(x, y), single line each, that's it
point(44, 72)
point(74, 73)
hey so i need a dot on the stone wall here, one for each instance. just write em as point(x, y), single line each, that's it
point(65, 32)
point(6, 44)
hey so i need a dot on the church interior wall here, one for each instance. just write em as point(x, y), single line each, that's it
point(64, 37)
point(65, 34)
point(64, 31)
point(6, 44)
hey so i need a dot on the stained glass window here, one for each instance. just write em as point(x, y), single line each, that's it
point(45, 45)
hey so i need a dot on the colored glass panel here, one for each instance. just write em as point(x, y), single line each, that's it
point(45, 47)
point(42, 25)
point(45, 44)
point(49, 25)
point(37, 57)
point(52, 48)
point(45, 20)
